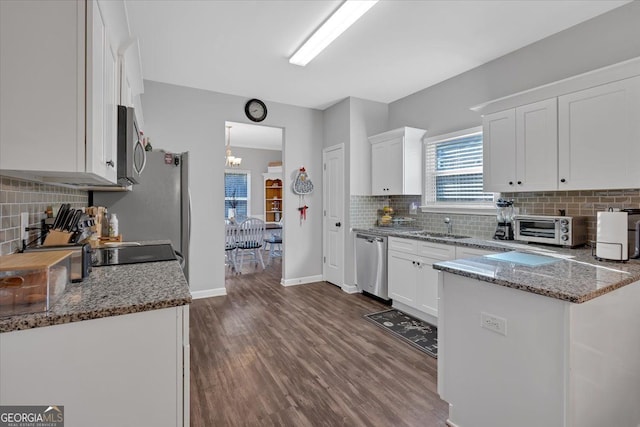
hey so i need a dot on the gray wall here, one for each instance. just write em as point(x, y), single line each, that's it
point(601, 41)
point(256, 161)
point(184, 119)
point(351, 122)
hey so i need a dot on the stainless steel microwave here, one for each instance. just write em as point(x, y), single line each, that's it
point(568, 231)
point(131, 155)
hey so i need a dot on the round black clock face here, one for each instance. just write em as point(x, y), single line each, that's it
point(255, 110)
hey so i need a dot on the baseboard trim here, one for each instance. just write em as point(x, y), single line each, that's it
point(217, 292)
point(416, 313)
point(301, 280)
point(450, 424)
point(350, 289)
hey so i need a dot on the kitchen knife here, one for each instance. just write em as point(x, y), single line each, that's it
point(73, 226)
point(64, 215)
point(69, 218)
point(59, 216)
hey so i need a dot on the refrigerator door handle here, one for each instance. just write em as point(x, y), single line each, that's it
point(189, 216)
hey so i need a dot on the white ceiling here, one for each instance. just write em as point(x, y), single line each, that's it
point(399, 47)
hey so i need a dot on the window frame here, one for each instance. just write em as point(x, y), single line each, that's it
point(246, 172)
point(477, 208)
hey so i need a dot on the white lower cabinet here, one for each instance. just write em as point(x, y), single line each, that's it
point(403, 278)
point(128, 370)
point(413, 283)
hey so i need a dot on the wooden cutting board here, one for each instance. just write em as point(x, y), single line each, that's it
point(32, 260)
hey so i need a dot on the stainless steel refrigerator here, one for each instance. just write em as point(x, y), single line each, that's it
point(158, 207)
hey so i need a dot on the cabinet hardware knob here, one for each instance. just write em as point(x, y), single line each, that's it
point(519, 182)
point(563, 180)
point(110, 163)
point(510, 182)
point(338, 224)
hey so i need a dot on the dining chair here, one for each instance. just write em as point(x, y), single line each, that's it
point(274, 243)
point(231, 232)
point(249, 241)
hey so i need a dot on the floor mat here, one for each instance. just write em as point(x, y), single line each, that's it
point(416, 332)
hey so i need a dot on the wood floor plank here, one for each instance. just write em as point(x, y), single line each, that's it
point(304, 355)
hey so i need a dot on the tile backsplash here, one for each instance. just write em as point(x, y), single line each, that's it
point(364, 209)
point(364, 214)
point(575, 203)
point(18, 196)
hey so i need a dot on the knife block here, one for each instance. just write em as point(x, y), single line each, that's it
point(56, 237)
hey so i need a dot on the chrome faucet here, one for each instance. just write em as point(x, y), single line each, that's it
point(447, 221)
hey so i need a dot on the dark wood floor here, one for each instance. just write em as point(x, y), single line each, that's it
point(303, 356)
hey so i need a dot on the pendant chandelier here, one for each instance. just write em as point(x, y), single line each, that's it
point(230, 160)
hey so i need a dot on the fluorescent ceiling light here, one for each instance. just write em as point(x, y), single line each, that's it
point(348, 13)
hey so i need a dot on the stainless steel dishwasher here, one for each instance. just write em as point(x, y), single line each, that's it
point(371, 264)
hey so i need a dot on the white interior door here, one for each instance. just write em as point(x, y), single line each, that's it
point(333, 219)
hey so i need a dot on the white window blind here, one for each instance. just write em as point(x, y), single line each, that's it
point(237, 188)
point(453, 170)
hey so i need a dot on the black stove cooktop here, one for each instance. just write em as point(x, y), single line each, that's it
point(132, 254)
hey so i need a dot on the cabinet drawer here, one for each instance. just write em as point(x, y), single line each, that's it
point(403, 245)
point(436, 250)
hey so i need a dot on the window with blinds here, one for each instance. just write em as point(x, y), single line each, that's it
point(236, 190)
point(453, 170)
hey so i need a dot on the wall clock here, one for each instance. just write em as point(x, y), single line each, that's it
point(255, 110)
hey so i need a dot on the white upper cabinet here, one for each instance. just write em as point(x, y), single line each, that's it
point(580, 133)
point(520, 148)
point(599, 137)
point(499, 151)
point(396, 162)
point(59, 93)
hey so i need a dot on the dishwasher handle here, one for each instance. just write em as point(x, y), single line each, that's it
point(370, 239)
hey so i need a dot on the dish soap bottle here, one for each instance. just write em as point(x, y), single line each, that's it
point(113, 225)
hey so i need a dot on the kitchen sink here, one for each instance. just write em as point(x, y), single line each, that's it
point(426, 233)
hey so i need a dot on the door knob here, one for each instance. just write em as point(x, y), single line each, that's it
point(338, 224)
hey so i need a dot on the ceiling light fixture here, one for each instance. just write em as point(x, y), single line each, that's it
point(348, 13)
point(231, 161)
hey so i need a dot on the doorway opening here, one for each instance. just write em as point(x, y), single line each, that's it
point(253, 203)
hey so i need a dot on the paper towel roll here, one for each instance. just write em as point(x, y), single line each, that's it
point(612, 238)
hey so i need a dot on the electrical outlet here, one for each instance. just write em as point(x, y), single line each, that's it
point(24, 224)
point(493, 323)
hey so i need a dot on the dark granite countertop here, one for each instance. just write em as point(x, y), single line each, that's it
point(111, 291)
point(576, 276)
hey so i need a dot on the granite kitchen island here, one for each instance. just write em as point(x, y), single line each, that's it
point(113, 349)
point(553, 342)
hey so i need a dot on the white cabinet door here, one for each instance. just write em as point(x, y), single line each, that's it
point(41, 86)
point(380, 169)
point(599, 137)
point(403, 277)
point(387, 167)
point(499, 151)
point(537, 146)
point(427, 286)
point(101, 98)
point(395, 166)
